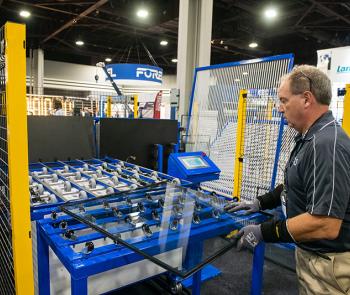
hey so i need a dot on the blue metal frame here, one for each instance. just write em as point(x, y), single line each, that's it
point(277, 154)
point(248, 61)
point(49, 236)
point(289, 56)
point(160, 156)
point(97, 147)
point(258, 269)
point(108, 257)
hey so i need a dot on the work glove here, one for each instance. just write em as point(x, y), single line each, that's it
point(251, 236)
point(250, 207)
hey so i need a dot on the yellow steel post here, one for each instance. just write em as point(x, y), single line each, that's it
point(241, 122)
point(17, 145)
point(109, 107)
point(268, 118)
point(270, 104)
point(346, 111)
point(136, 106)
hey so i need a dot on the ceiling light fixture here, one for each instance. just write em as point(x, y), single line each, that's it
point(174, 60)
point(142, 13)
point(79, 43)
point(24, 13)
point(245, 73)
point(108, 59)
point(237, 80)
point(163, 43)
point(253, 45)
point(270, 13)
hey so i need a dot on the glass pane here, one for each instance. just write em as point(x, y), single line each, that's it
point(168, 225)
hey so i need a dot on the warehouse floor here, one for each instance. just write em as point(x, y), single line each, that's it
point(235, 278)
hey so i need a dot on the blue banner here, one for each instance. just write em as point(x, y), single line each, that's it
point(135, 72)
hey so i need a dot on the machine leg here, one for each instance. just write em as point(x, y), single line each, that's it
point(78, 286)
point(194, 256)
point(196, 286)
point(160, 157)
point(43, 264)
point(258, 267)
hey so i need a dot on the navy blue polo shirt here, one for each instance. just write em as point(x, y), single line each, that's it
point(317, 180)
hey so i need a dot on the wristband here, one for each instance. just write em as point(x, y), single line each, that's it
point(276, 231)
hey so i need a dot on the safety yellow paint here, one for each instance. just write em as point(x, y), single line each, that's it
point(136, 106)
point(232, 234)
point(109, 107)
point(267, 125)
point(241, 122)
point(269, 109)
point(16, 111)
point(346, 112)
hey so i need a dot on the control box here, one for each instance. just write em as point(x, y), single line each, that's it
point(195, 167)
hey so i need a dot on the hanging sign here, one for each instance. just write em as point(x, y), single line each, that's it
point(336, 63)
point(135, 74)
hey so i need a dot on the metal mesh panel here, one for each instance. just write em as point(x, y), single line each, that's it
point(213, 122)
point(7, 282)
point(286, 148)
point(261, 132)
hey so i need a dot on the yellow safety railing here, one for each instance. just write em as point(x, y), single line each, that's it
point(17, 157)
point(346, 111)
point(241, 122)
point(136, 106)
point(109, 107)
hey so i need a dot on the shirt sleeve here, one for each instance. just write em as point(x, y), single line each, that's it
point(327, 178)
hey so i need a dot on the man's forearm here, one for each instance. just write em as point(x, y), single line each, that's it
point(301, 228)
point(307, 227)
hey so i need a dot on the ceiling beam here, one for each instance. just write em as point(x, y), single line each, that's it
point(232, 51)
point(56, 3)
point(118, 27)
point(304, 15)
point(76, 19)
point(330, 11)
point(101, 56)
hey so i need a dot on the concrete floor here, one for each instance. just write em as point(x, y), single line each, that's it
point(235, 278)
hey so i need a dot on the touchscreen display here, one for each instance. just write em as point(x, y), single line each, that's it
point(193, 162)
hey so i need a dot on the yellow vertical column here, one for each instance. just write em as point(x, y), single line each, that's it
point(17, 145)
point(136, 106)
point(109, 107)
point(346, 112)
point(241, 122)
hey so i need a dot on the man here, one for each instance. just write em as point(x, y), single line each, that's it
point(57, 108)
point(316, 190)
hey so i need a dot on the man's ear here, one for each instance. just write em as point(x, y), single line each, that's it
point(309, 99)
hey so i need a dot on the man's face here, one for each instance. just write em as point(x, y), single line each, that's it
point(292, 106)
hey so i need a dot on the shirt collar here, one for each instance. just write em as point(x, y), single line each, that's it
point(321, 122)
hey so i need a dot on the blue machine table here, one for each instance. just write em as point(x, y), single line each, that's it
point(137, 234)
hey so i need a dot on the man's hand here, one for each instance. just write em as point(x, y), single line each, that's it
point(250, 207)
point(251, 236)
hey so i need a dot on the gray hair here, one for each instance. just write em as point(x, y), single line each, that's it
point(309, 78)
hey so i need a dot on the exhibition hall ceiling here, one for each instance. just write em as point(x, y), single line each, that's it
point(132, 30)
